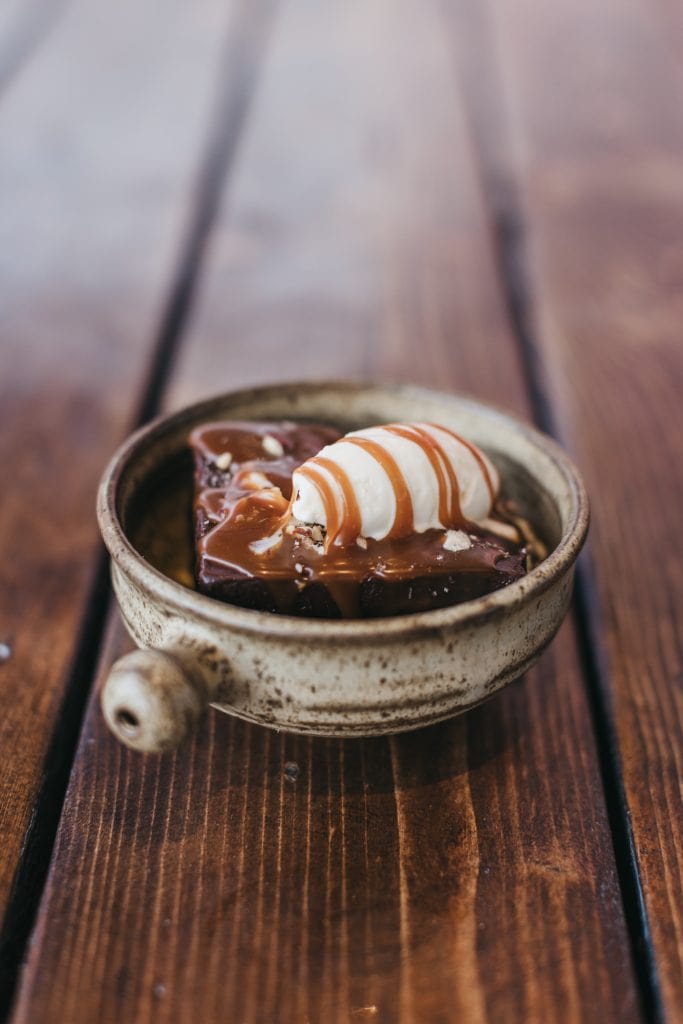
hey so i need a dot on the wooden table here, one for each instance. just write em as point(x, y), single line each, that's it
point(481, 196)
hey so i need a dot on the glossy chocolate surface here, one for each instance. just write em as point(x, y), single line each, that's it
point(243, 486)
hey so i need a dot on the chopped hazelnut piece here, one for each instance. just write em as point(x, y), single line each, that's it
point(456, 540)
point(253, 481)
point(272, 446)
point(317, 534)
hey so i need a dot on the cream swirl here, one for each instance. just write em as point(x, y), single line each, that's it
point(394, 480)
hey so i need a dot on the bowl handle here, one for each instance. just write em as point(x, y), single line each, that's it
point(152, 700)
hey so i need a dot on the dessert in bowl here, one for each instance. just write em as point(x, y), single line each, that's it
point(305, 623)
point(298, 519)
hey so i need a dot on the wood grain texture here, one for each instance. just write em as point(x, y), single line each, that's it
point(438, 876)
point(99, 148)
point(602, 177)
point(462, 872)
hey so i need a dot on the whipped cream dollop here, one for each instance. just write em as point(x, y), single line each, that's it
point(393, 480)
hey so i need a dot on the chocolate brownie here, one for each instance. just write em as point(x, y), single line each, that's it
point(251, 552)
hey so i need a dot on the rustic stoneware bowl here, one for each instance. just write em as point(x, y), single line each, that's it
point(322, 677)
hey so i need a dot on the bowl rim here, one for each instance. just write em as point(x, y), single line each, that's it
point(191, 603)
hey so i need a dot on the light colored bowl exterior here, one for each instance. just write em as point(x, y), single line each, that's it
point(336, 678)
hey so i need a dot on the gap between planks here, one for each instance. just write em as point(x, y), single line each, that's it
point(510, 251)
point(243, 56)
point(500, 186)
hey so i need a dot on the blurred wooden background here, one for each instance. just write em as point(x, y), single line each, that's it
point(479, 195)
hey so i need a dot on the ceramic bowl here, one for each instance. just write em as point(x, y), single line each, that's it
point(321, 677)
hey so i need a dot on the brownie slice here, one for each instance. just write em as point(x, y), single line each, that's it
point(249, 554)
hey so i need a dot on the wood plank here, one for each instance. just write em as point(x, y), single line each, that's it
point(99, 148)
point(600, 127)
point(463, 872)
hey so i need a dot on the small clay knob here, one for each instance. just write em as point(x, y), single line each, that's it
point(152, 701)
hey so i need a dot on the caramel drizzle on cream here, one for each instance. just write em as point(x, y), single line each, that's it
point(348, 527)
point(403, 518)
point(478, 456)
point(326, 491)
point(343, 517)
point(449, 514)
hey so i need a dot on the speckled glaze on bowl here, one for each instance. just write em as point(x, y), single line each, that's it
point(322, 677)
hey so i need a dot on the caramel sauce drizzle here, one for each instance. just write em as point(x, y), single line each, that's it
point(350, 525)
point(332, 513)
point(403, 519)
point(449, 515)
point(476, 453)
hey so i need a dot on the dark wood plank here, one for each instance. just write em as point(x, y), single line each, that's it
point(100, 140)
point(601, 125)
point(437, 876)
point(463, 872)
